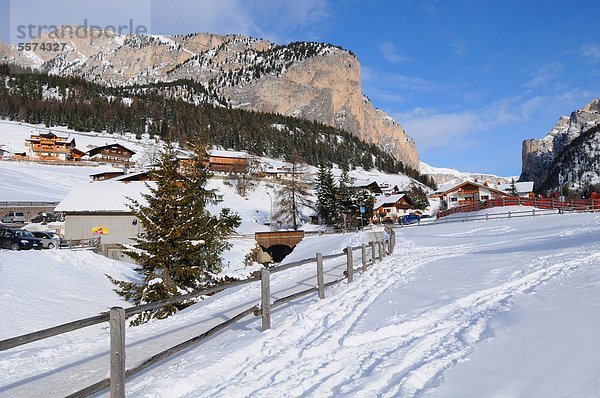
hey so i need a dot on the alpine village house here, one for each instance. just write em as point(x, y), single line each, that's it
point(50, 147)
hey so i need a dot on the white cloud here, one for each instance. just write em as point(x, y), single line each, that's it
point(432, 129)
point(591, 52)
point(396, 81)
point(545, 75)
point(271, 19)
point(391, 54)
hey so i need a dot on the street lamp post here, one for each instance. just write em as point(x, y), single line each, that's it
point(271, 200)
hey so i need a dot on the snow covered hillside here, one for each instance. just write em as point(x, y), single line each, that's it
point(442, 175)
point(503, 308)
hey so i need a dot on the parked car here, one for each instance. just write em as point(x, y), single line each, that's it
point(409, 219)
point(18, 239)
point(13, 217)
point(44, 218)
point(49, 239)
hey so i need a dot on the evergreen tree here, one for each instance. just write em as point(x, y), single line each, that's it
point(179, 250)
point(363, 198)
point(292, 197)
point(346, 201)
point(327, 208)
point(418, 196)
point(513, 188)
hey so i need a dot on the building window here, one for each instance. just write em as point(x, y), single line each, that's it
point(485, 197)
point(453, 199)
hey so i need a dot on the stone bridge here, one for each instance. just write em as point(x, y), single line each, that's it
point(279, 244)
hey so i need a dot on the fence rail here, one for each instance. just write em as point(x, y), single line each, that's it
point(7, 204)
point(117, 315)
point(545, 204)
point(464, 217)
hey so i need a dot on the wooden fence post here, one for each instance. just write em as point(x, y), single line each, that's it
point(487, 216)
point(364, 257)
point(372, 252)
point(552, 203)
point(265, 306)
point(382, 249)
point(518, 200)
point(503, 201)
point(320, 279)
point(534, 211)
point(349, 265)
point(117, 352)
point(572, 206)
point(509, 214)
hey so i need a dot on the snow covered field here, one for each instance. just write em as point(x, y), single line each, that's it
point(503, 308)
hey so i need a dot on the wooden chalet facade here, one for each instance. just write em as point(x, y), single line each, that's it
point(392, 207)
point(371, 186)
point(50, 147)
point(466, 193)
point(228, 161)
point(113, 154)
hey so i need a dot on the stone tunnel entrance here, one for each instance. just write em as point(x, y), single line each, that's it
point(279, 244)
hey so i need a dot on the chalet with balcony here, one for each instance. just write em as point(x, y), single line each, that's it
point(466, 193)
point(113, 154)
point(50, 147)
point(371, 186)
point(228, 161)
point(392, 207)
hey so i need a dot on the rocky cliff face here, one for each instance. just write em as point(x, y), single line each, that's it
point(312, 81)
point(539, 154)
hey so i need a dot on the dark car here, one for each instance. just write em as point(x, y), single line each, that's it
point(409, 219)
point(18, 239)
point(44, 218)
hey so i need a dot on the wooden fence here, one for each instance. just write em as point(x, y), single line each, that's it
point(117, 316)
point(546, 204)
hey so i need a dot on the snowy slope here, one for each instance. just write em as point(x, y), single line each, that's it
point(497, 308)
point(42, 289)
point(28, 181)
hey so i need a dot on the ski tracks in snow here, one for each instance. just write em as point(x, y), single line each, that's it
point(319, 349)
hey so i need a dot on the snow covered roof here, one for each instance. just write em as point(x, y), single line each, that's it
point(228, 154)
point(392, 199)
point(131, 175)
point(522, 187)
point(451, 186)
point(105, 196)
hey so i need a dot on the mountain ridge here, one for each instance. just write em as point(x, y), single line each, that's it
point(539, 155)
point(308, 80)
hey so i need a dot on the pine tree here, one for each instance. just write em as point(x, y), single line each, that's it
point(327, 208)
point(292, 197)
point(179, 250)
point(513, 188)
point(346, 203)
point(418, 196)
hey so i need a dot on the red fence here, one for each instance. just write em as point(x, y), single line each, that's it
point(546, 204)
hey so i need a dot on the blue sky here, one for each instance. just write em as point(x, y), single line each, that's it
point(469, 80)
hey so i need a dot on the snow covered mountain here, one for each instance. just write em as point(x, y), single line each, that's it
point(442, 175)
point(313, 81)
point(541, 155)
